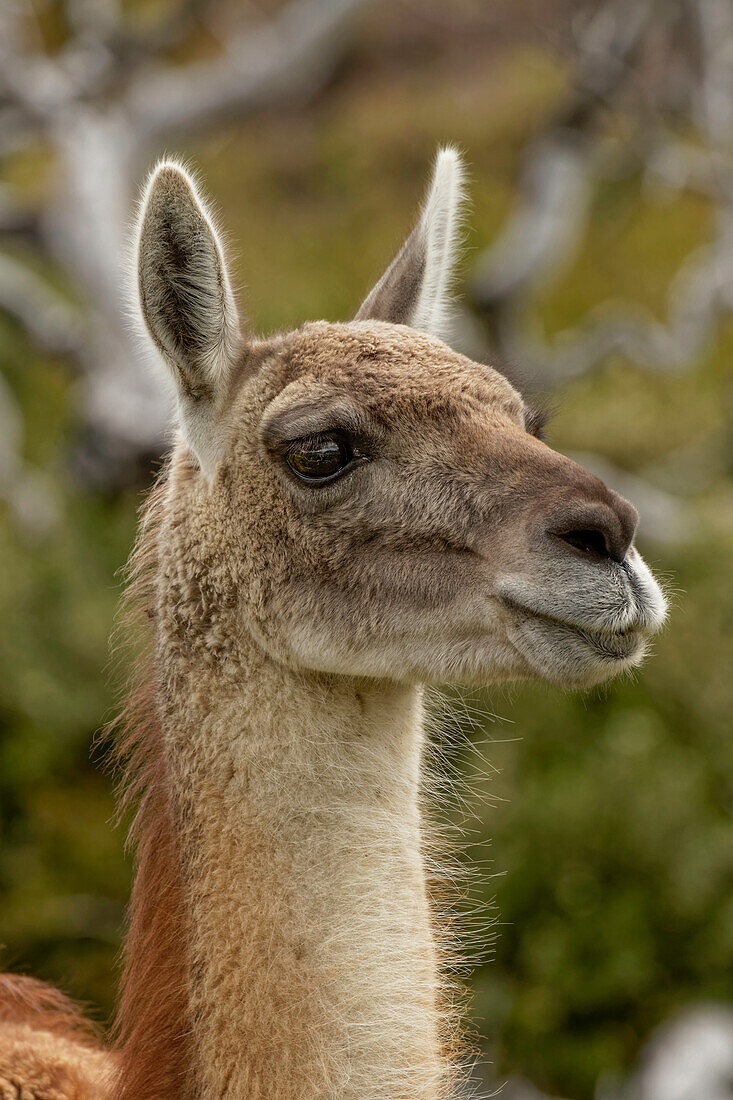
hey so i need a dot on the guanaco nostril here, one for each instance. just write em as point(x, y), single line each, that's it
point(589, 541)
point(599, 530)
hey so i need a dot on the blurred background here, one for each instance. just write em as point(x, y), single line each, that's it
point(599, 269)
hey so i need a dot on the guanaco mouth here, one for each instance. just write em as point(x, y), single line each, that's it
point(615, 645)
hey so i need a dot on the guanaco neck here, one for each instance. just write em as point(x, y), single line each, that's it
point(312, 968)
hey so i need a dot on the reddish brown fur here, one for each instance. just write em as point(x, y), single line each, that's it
point(29, 1001)
point(152, 1033)
point(48, 1051)
point(151, 1029)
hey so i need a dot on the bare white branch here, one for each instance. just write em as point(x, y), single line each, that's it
point(290, 56)
point(50, 320)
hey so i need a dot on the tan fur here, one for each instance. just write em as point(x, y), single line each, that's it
point(283, 942)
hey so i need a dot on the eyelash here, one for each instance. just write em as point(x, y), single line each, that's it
point(536, 418)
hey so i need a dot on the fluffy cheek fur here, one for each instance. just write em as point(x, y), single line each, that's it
point(461, 640)
point(432, 617)
point(420, 616)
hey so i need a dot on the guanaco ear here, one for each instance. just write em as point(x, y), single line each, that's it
point(186, 300)
point(415, 288)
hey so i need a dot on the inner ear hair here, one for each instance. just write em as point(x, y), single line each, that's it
point(415, 289)
point(185, 295)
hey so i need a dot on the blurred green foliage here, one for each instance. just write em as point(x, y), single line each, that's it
point(611, 844)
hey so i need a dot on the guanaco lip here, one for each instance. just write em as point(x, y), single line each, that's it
point(616, 645)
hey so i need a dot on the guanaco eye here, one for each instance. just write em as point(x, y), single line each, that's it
point(319, 458)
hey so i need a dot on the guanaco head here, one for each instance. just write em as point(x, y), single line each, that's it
point(359, 498)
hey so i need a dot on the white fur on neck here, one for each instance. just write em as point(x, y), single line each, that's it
point(316, 975)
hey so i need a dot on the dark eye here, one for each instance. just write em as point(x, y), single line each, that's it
point(319, 458)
